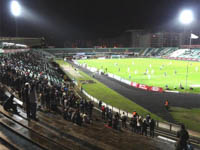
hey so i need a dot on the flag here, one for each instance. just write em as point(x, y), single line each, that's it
point(193, 36)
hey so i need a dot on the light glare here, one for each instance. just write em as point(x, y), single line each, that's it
point(15, 8)
point(186, 17)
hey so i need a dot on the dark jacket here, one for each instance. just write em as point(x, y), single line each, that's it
point(183, 137)
point(152, 124)
point(8, 103)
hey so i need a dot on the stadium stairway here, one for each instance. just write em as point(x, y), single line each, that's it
point(55, 130)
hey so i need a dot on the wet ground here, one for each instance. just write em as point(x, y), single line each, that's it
point(16, 140)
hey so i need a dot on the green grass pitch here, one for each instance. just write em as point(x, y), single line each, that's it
point(152, 71)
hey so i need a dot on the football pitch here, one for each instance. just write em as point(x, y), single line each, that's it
point(153, 71)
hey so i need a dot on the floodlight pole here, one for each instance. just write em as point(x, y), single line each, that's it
point(188, 62)
point(186, 75)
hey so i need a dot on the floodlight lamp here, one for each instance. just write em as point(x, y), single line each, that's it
point(186, 17)
point(15, 8)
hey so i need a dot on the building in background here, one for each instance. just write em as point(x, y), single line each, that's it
point(138, 38)
point(160, 39)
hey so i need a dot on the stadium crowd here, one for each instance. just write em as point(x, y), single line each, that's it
point(40, 86)
point(137, 123)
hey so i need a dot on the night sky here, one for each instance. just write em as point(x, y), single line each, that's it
point(60, 20)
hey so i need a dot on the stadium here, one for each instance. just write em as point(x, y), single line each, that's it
point(138, 89)
point(131, 79)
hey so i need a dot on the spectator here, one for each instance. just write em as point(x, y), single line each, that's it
point(183, 136)
point(124, 119)
point(167, 105)
point(82, 106)
point(78, 118)
point(103, 112)
point(33, 99)
point(100, 104)
point(134, 113)
point(107, 112)
point(116, 122)
point(9, 105)
point(135, 124)
point(152, 127)
point(131, 124)
point(144, 127)
point(27, 100)
point(110, 114)
point(139, 124)
point(148, 117)
point(90, 108)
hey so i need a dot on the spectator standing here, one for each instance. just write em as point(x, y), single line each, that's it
point(78, 118)
point(148, 118)
point(90, 109)
point(100, 104)
point(135, 124)
point(103, 113)
point(33, 99)
point(183, 138)
point(144, 127)
point(27, 99)
point(85, 105)
point(82, 106)
point(124, 119)
point(131, 124)
point(110, 114)
point(23, 97)
point(116, 121)
point(139, 124)
point(152, 127)
point(134, 113)
point(167, 104)
point(107, 112)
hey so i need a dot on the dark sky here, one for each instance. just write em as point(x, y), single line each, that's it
point(58, 20)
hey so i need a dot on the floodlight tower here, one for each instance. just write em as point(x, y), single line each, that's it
point(186, 18)
point(16, 12)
